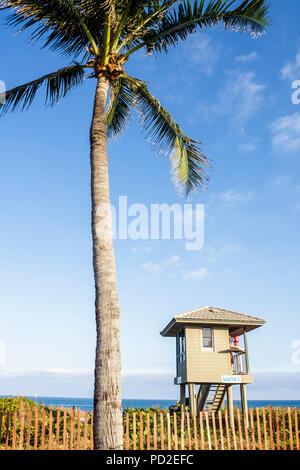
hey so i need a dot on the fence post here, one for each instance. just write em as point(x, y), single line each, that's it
point(277, 431)
point(141, 431)
point(13, 445)
point(296, 427)
point(290, 429)
point(71, 429)
point(271, 427)
point(188, 425)
point(195, 432)
point(240, 429)
point(65, 430)
point(175, 431)
point(258, 429)
point(283, 427)
point(21, 438)
point(57, 428)
point(36, 429)
point(182, 430)
point(162, 433)
point(216, 447)
point(169, 431)
point(155, 431)
point(43, 430)
point(78, 430)
point(202, 431)
point(227, 430)
point(7, 431)
point(208, 431)
point(29, 431)
point(127, 430)
point(221, 429)
point(265, 429)
point(85, 429)
point(252, 429)
point(148, 431)
point(134, 429)
point(233, 431)
point(50, 431)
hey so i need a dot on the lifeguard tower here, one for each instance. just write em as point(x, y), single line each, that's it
point(212, 353)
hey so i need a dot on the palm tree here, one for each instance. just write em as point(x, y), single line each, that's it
point(100, 36)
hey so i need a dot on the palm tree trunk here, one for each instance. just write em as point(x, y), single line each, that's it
point(108, 427)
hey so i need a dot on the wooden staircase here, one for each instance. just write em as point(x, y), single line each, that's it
point(210, 397)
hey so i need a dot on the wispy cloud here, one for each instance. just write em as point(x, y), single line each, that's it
point(291, 70)
point(212, 253)
point(247, 147)
point(232, 198)
point(155, 268)
point(247, 57)
point(203, 52)
point(197, 275)
point(286, 133)
point(141, 249)
point(241, 97)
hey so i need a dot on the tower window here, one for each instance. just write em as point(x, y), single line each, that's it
point(181, 346)
point(207, 338)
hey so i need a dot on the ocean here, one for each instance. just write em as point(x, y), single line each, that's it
point(87, 403)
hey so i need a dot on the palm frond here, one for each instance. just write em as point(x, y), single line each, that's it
point(118, 111)
point(251, 16)
point(178, 24)
point(135, 29)
point(62, 23)
point(97, 9)
point(188, 163)
point(58, 84)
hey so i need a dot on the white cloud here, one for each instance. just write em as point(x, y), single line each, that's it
point(197, 275)
point(201, 51)
point(232, 198)
point(241, 97)
point(212, 253)
point(141, 249)
point(297, 206)
point(158, 267)
point(247, 58)
point(291, 70)
point(281, 181)
point(247, 147)
point(286, 133)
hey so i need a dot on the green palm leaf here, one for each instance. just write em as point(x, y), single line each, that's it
point(58, 84)
point(118, 111)
point(62, 22)
point(180, 23)
point(188, 163)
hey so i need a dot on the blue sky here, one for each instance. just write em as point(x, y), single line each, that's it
point(229, 91)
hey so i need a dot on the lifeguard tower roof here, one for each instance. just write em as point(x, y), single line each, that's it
point(237, 322)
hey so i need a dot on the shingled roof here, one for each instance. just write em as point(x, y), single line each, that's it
point(213, 315)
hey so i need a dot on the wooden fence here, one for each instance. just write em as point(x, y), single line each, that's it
point(269, 429)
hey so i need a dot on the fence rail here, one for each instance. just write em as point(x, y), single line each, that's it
point(269, 429)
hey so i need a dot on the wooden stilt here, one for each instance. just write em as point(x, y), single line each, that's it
point(182, 398)
point(244, 405)
point(192, 399)
point(230, 406)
